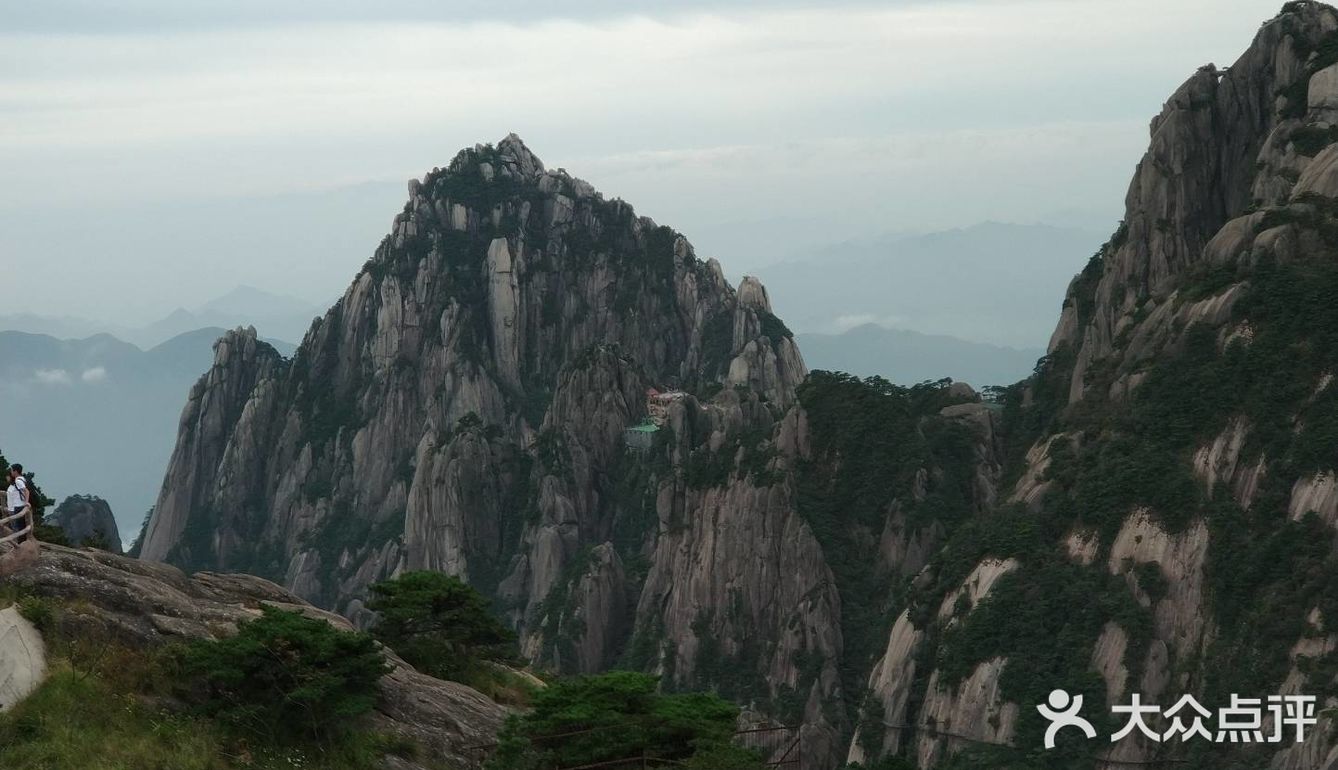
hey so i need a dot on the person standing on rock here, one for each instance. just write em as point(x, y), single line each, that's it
point(17, 497)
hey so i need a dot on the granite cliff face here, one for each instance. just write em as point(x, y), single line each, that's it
point(1166, 507)
point(462, 408)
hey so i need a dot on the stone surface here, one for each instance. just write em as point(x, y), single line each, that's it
point(22, 658)
point(145, 604)
point(1196, 178)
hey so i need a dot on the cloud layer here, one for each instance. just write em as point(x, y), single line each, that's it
point(847, 120)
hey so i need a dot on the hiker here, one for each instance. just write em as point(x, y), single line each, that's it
point(17, 497)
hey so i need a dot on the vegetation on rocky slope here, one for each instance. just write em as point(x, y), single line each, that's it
point(224, 705)
point(873, 443)
point(445, 628)
point(621, 716)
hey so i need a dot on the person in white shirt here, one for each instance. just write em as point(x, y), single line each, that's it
point(17, 495)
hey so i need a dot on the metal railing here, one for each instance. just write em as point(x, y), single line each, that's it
point(14, 536)
point(948, 737)
point(782, 747)
point(18, 542)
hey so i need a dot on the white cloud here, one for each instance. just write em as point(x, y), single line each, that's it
point(773, 75)
point(52, 377)
point(96, 374)
point(874, 117)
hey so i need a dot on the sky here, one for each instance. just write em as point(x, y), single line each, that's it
point(156, 153)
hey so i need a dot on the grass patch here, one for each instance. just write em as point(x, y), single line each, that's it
point(82, 721)
point(106, 706)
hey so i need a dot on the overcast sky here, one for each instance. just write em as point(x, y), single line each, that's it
point(158, 154)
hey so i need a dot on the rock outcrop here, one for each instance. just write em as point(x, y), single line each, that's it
point(22, 658)
point(85, 519)
point(144, 605)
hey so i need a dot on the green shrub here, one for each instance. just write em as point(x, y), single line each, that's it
point(37, 610)
point(88, 720)
point(873, 443)
point(1151, 580)
point(286, 675)
point(97, 541)
point(612, 716)
point(439, 623)
point(774, 328)
point(108, 706)
point(1312, 139)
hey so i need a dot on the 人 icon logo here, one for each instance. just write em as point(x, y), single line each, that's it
point(1062, 711)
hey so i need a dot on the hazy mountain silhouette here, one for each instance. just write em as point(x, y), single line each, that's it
point(907, 357)
point(990, 282)
point(99, 415)
point(275, 316)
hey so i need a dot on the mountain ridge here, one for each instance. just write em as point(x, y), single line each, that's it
point(276, 315)
point(906, 357)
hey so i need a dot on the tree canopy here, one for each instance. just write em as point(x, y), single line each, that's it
point(286, 675)
point(619, 715)
point(438, 623)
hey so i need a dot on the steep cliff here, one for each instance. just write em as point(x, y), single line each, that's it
point(463, 408)
point(1166, 502)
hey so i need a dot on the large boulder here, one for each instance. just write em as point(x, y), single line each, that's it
point(22, 658)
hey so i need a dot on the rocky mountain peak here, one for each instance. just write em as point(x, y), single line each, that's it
point(1178, 431)
point(518, 158)
point(465, 407)
point(87, 519)
point(753, 294)
point(536, 389)
point(1228, 143)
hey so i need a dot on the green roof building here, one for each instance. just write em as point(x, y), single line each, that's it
point(642, 436)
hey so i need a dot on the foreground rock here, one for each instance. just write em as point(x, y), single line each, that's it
point(143, 604)
point(22, 658)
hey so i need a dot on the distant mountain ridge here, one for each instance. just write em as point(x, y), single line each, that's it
point(907, 357)
point(275, 316)
point(992, 282)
